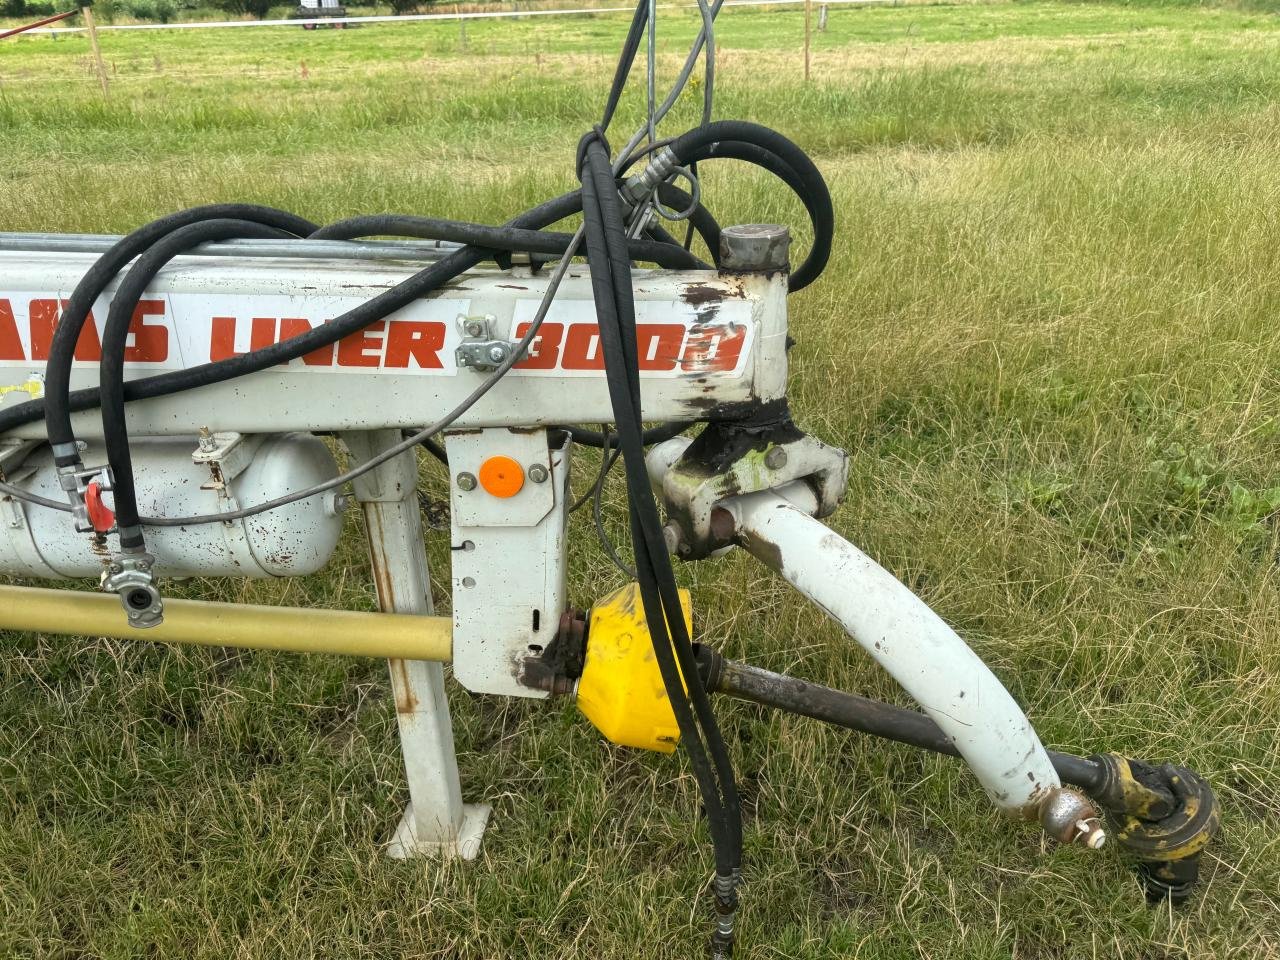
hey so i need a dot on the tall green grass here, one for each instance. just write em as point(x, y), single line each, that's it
point(1047, 338)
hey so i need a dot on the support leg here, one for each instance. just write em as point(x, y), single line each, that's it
point(436, 820)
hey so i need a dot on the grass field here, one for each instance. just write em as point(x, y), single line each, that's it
point(1047, 336)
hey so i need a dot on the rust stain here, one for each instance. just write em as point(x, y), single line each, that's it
point(382, 582)
point(698, 294)
point(406, 702)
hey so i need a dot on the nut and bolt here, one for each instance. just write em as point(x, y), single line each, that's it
point(538, 473)
point(474, 328)
point(466, 481)
point(776, 458)
point(497, 353)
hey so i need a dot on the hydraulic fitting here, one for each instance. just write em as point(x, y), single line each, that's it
point(640, 185)
point(1164, 816)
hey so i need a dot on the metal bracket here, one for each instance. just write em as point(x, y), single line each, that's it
point(481, 348)
point(226, 454)
point(737, 457)
point(76, 484)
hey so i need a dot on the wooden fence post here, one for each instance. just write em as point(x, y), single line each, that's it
point(87, 14)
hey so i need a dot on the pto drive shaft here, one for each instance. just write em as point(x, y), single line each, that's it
point(1164, 816)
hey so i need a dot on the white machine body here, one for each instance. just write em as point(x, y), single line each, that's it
point(710, 345)
point(706, 340)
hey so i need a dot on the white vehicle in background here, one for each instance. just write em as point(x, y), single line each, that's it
point(320, 9)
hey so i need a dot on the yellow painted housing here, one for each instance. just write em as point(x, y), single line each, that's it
point(621, 689)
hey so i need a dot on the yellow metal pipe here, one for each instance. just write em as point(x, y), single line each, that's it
point(391, 635)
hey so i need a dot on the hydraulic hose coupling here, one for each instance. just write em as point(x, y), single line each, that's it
point(726, 894)
point(129, 575)
point(640, 185)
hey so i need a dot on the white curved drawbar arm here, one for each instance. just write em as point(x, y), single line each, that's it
point(900, 631)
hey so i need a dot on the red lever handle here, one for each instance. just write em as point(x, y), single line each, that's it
point(100, 515)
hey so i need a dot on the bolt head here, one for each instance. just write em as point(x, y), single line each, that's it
point(776, 458)
point(671, 536)
point(466, 481)
point(474, 328)
point(538, 473)
point(497, 353)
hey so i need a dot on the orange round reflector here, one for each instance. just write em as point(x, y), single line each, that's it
point(501, 476)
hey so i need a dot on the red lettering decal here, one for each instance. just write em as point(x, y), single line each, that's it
point(291, 327)
point(222, 336)
point(150, 340)
point(658, 345)
point(354, 350)
point(417, 339)
point(262, 332)
point(43, 317)
point(544, 351)
point(582, 348)
point(714, 349)
point(10, 342)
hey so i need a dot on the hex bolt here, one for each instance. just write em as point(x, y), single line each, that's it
point(474, 328)
point(776, 458)
point(466, 481)
point(538, 473)
point(497, 353)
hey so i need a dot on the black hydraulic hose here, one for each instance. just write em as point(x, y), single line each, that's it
point(672, 646)
point(597, 439)
point(55, 407)
point(106, 267)
point(115, 337)
point(859, 713)
point(407, 291)
point(704, 143)
point(670, 256)
point(625, 61)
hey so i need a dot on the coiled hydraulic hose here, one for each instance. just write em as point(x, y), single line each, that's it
point(718, 139)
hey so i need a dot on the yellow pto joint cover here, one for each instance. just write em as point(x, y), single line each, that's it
point(621, 689)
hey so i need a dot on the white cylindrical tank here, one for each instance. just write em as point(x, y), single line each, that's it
point(174, 478)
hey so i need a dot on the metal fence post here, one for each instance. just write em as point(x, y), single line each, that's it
point(436, 820)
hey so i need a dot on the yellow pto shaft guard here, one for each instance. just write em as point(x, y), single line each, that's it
point(621, 689)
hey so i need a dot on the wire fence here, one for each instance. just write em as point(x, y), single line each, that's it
point(459, 15)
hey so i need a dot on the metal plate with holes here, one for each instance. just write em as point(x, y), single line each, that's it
point(508, 555)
